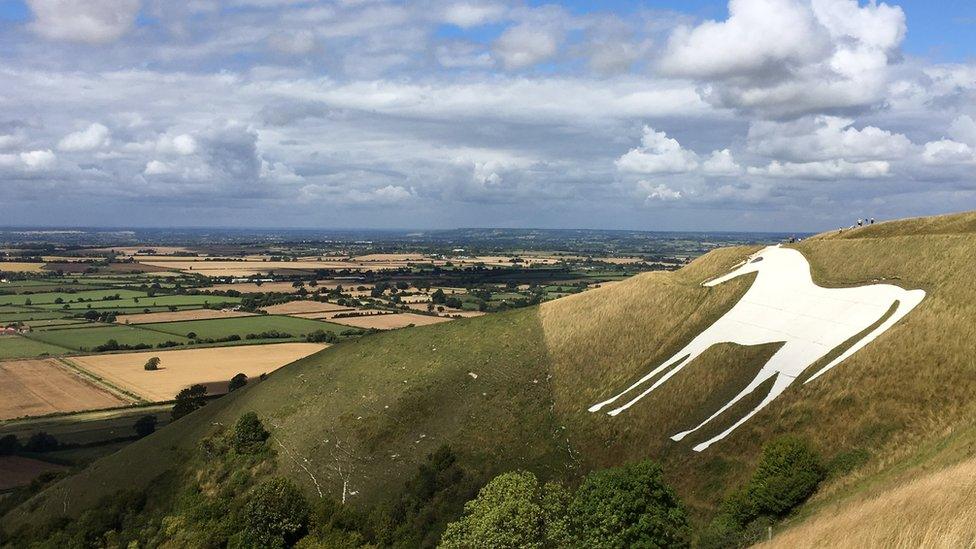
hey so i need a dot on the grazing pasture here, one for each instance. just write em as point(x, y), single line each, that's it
point(45, 386)
point(225, 327)
point(69, 297)
point(390, 321)
point(212, 367)
point(155, 301)
point(83, 339)
point(176, 316)
point(15, 346)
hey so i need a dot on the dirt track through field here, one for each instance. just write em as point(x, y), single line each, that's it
point(44, 386)
point(212, 367)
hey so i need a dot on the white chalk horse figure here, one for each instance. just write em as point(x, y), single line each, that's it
point(783, 305)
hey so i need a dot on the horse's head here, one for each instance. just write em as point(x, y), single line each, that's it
point(751, 265)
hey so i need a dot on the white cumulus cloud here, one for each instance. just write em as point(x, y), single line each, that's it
point(657, 154)
point(90, 21)
point(91, 138)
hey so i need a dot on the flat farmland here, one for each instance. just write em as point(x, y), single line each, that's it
point(176, 316)
point(15, 346)
point(390, 321)
point(30, 315)
point(87, 338)
point(155, 301)
point(284, 287)
point(44, 386)
point(212, 367)
point(305, 306)
point(20, 471)
point(247, 268)
point(20, 267)
point(67, 297)
point(220, 328)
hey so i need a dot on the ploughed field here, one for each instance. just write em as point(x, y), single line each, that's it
point(46, 386)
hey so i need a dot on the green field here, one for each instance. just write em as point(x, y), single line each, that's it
point(20, 347)
point(87, 338)
point(140, 302)
point(68, 297)
point(224, 327)
point(32, 315)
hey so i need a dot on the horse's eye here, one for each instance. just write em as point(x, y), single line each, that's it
point(757, 260)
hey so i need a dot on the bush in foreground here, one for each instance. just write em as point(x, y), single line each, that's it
point(249, 434)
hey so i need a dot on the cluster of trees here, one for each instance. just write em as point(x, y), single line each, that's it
point(788, 473)
point(629, 506)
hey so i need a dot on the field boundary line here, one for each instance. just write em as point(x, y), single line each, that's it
point(102, 382)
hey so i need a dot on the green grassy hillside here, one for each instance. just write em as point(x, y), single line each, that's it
point(510, 390)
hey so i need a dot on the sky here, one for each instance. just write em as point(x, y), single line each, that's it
point(754, 115)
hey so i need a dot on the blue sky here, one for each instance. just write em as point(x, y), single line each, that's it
point(750, 115)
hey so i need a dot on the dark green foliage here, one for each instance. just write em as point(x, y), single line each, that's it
point(275, 515)
point(188, 400)
point(152, 364)
point(627, 506)
point(433, 497)
point(788, 472)
point(9, 444)
point(249, 434)
point(41, 442)
point(321, 336)
point(145, 426)
point(237, 382)
point(512, 511)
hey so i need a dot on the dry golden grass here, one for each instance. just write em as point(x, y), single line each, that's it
point(389, 321)
point(173, 316)
point(902, 392)
point(212, 367)
point(935, 510)
point(44, 386)
point(21, 267)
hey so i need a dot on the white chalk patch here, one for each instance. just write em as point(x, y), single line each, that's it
point(783, 305)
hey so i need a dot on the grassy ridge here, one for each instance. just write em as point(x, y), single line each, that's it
point(511, 390)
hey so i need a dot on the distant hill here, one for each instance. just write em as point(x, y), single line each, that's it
point(511, 390)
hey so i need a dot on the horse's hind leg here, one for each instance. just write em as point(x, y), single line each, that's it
point(679, 360)
point(780, 384)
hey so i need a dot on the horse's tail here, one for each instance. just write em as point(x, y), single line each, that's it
point(909, 300)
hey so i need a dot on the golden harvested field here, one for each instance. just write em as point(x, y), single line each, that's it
point(45, 386)
point(935, 510)
point(20, 267)
point(167, 316)
point(392, 257)
point(304, 306)
point(247, 268)
point(389, 321)
point(321, 316)
point(20, 471)
point(212, 367)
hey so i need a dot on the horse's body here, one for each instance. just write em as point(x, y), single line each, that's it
point(784, 305)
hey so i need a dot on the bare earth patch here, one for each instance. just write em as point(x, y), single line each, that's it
point(389, 322)
point(20, 471)
point(212, 367)
point(195, 314)
point(45, 386)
